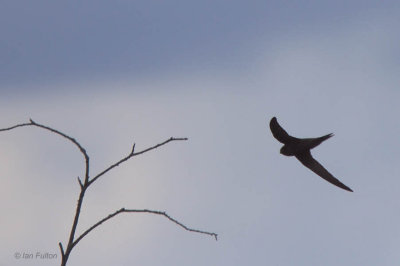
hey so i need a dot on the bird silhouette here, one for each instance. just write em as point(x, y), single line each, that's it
point(300, 148)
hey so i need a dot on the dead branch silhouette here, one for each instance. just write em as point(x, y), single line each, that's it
point(72, 241)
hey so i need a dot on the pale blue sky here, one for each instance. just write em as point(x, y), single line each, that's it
point(113, 73)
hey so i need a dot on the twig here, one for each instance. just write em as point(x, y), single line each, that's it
point(80, 182)
point(122, 210)
point(63, 261)
point(76, 143)
point(61, 248)
point(132, 154)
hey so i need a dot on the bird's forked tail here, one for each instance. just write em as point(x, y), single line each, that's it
point(317, 141)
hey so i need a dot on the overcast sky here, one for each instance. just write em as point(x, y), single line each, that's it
point(114, 73)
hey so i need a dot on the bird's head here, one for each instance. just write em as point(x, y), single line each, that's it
point(285, 150)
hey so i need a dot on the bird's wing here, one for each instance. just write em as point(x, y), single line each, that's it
point(279, 133)
point(306, 159)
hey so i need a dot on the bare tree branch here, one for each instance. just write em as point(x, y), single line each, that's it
point(132, 154)
point(19, 125)
point(83, 188)
point(81, 149)
point(175, 221)
point(87, 182)
point(122, 210)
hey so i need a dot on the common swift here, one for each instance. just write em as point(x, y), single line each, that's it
point(300, 148)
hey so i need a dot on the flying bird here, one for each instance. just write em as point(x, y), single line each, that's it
point(300, 148)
